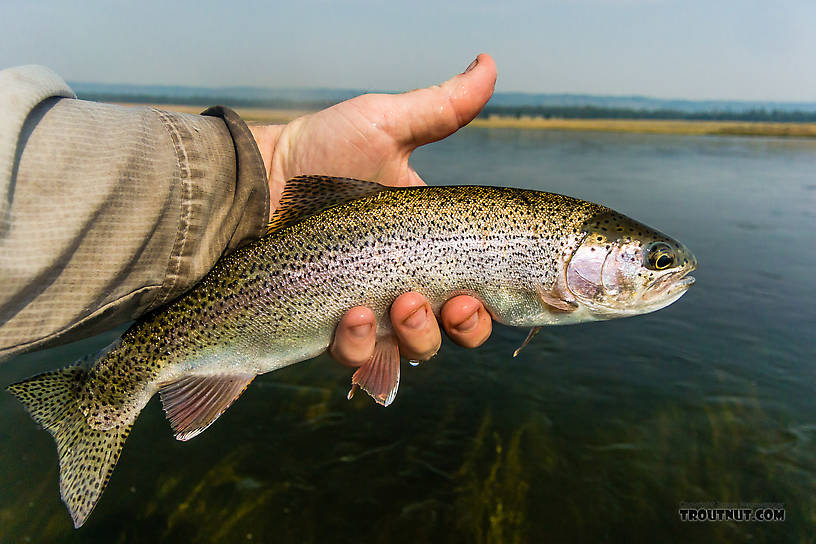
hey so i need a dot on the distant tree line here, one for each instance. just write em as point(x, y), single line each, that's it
point(597, 112)
point(208, 100)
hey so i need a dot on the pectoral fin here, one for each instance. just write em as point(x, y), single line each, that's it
point(558, 298)
point(379, 377)
point(530, 336)
point(557, 303)
point(193, 403)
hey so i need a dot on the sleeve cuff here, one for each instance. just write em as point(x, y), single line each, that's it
point(224, 193)
point(251, 178)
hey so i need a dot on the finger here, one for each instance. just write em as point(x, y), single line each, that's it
point(466, 321)
point(415, 327)
point(354, 337)
point(428, 115)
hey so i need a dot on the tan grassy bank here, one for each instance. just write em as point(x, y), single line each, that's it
point(647, 126)
point(651, 126)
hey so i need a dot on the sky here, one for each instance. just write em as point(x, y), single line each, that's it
point(694, 49)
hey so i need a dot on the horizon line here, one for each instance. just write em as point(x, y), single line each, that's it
point(363, 90)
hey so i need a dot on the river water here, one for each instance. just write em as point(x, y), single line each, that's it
point(596, 432)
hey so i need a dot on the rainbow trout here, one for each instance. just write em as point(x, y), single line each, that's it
point(532, 258)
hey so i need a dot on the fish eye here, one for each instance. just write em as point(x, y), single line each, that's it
point(660, 256)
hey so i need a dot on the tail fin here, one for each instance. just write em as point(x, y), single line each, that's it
point(86, 456)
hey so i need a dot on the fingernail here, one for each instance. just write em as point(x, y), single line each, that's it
point(360, 331)
point(416, 320)
point(472, 65)
point(468, 324)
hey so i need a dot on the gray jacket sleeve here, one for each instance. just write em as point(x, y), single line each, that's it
point(107, 212)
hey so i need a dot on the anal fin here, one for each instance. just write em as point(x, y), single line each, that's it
point(379, 377)
point(193, 403)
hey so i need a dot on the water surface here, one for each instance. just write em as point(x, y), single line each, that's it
point(595, 432)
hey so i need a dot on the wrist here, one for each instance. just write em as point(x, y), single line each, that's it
point(267, 138)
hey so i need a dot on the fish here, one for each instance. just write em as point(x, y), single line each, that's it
point(532, 258)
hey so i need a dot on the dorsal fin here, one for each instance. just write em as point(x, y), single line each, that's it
point(193, 403)
point(306, 195)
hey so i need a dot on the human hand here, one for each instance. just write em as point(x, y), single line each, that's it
point(372, 137)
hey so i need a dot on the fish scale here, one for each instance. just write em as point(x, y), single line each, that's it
point(532, 258)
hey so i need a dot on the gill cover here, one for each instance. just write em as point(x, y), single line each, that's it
point(605, 273)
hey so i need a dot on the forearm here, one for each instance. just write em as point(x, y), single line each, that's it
point(113, 211)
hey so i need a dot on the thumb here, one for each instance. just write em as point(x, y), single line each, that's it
point(433, 113)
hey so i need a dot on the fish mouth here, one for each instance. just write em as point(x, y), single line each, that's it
point(671, 284)
point(686, 281)
point(681, 285)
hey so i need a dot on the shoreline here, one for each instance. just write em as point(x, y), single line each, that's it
point(654, 126)
point(637, 126)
